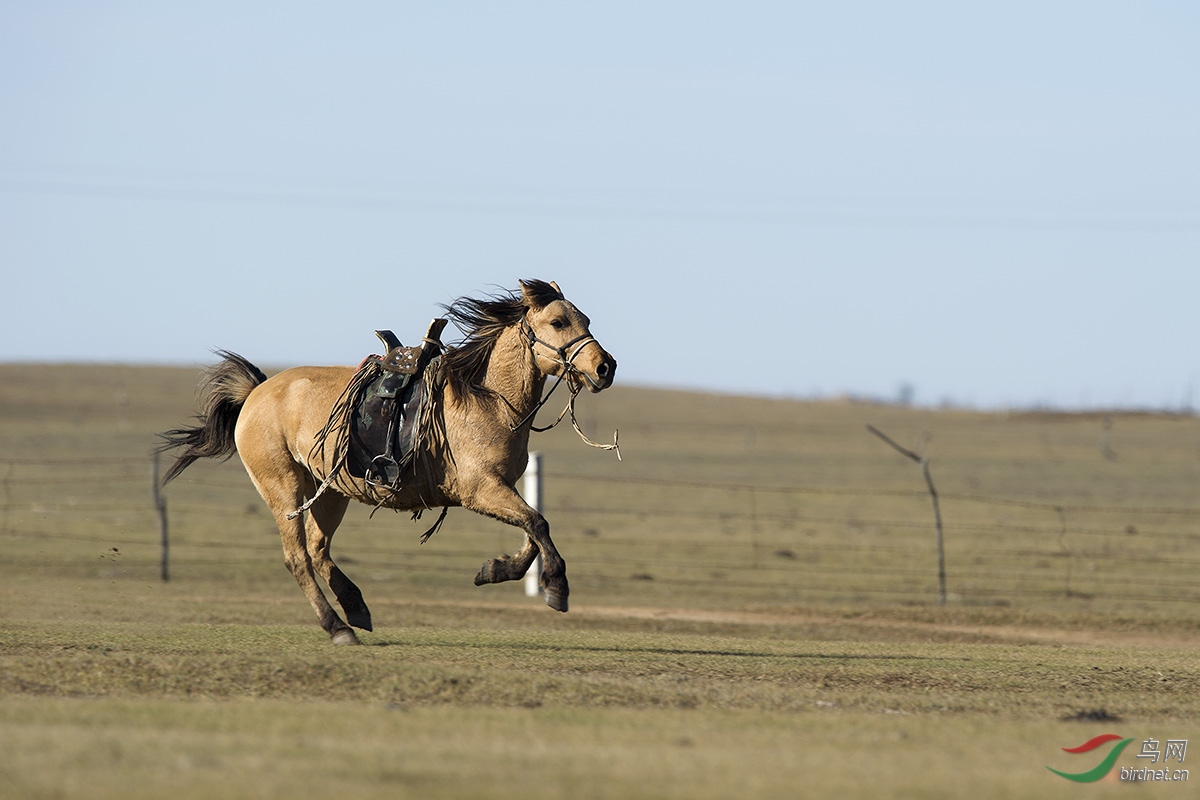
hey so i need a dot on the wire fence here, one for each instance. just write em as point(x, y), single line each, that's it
point(651, 538)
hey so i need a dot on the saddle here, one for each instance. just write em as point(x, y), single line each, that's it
point(383, 420)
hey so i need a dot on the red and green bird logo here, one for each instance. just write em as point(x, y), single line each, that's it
point(1100, 770)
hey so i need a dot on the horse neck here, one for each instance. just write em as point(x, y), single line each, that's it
point(512, 372)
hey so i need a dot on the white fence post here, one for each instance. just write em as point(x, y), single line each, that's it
point(533, 495)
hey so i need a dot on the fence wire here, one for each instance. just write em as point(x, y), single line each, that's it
point(679, 540)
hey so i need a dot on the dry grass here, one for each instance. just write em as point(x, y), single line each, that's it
point(723, 641)
point(463, 700)
point(156, 748)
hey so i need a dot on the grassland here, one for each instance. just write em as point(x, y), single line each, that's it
point(753, 610)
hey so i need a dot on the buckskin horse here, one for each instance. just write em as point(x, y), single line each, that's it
point(477, 404)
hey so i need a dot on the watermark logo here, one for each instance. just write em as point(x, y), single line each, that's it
point(1152, 749)
point(1104, 767)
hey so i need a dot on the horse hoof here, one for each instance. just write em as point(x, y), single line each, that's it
point(486, 574)
point(556, 601)
point(345, 636)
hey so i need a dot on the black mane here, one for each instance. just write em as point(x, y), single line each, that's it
point(482, 320)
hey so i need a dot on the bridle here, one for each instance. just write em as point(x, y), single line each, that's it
point(562, 358)
point(567, 362)
point(565, 357)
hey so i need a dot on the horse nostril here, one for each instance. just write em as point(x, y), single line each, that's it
point(602, 370)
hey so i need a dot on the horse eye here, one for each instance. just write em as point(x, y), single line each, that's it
point(558, 324)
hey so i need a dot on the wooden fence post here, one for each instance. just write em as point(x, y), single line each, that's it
point(160, 505)
point(937, 511)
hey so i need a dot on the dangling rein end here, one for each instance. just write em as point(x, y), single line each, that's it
point(568, 409)
point(575, 424)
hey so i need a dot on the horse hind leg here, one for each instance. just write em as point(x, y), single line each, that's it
point(299, 563)
point(283, 494)
point(322, 520)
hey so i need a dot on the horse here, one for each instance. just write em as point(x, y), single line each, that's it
point(484, 392)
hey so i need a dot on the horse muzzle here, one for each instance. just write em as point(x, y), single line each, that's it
point(601, 375)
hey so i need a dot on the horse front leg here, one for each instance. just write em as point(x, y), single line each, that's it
point(507, 506)
point(508, 568)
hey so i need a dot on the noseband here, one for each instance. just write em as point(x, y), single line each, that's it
point(567, 362)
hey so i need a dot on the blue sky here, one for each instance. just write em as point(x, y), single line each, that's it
point(997, 204)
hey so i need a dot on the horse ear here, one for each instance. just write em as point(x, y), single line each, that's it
point(539, 294)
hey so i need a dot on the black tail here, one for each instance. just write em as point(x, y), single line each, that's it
point(226, 387)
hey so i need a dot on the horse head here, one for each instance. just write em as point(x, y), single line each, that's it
point(560, 338)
